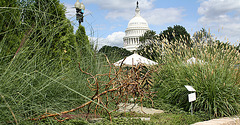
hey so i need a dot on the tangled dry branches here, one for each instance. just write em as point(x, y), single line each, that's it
point(122, 84)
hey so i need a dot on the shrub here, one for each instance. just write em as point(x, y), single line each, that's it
point(214, 76)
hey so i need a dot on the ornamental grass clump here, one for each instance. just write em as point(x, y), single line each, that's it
point(38, 62)
point(213, 72)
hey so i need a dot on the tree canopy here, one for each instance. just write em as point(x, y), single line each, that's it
point(202, 36)
point(39, 24)
point(83, 45)
point(175, 33)
point(148, 36)
point(48, 16)
point(114, 53)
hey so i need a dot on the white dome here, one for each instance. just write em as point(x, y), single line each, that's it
point(137, 22)
point(137, 26)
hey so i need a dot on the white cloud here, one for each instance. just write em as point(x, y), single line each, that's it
point(114, 39)
point(124, 9)
point(156, 16)
point(121, 9)
point(120, 14)
point(218, 7)
point(223, 15)
point(161, 16)
point(71, 11)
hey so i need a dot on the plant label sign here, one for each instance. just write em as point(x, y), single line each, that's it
point(192, 97)
point(190, 88)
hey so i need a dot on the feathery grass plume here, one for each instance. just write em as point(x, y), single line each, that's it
point(213, 75)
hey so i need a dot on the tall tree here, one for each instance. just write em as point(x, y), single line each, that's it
point(147, 37)
point(150, 43)
point(150, 51)
point(114, 53)
point(202, 37)
point(84, 48)
point(52, 30)
point(175, 33)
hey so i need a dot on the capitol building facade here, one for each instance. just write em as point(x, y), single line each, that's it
point(137, 26)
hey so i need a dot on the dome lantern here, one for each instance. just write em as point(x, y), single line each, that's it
point(137, 10)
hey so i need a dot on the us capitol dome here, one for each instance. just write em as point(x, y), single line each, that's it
point(137, 26)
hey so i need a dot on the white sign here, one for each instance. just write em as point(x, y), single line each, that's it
point(192, 97)
point(190, 88)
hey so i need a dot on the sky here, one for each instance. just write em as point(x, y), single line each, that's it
point(105, 21)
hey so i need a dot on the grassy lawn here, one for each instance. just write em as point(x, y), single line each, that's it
point(127, 119)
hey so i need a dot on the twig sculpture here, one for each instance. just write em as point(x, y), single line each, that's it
point(122, 84)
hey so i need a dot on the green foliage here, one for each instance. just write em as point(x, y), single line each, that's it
point(161, 104)
point(84, 48)
point(43, 75)
point(124, 121)
point(41, 21)
point(155, 119)
point(114, 53)
point(54, 122)
point(39, 73)
point(148, 36)
point(52, 30)
point(147, 48)
point(174, 119)
point(202, 36)
point(174, 34)
point(151, 51)
point(10, 34)
point(42, 12)
point(152, 47)
point(77, 122)
point(214, 76)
